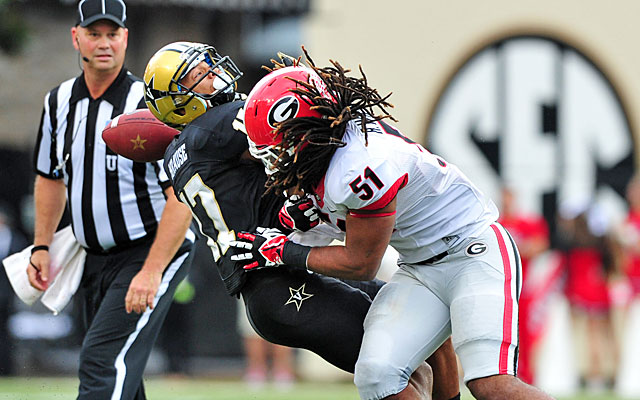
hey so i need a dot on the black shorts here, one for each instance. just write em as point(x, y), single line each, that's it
point(295, 308)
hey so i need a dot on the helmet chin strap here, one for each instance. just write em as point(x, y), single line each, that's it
point(220, 98)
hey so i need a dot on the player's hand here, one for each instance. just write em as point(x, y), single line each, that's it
point(299, 213)
point(38, 270)
point(142, 291)
point(265, 248)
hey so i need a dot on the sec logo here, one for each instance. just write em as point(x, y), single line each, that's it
point(534, 113)
point(476, 248)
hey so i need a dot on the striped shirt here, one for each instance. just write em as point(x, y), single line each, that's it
point(112, 200)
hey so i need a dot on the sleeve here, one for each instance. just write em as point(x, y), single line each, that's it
point(321, 235)
point(369, 184)
point(45, 155)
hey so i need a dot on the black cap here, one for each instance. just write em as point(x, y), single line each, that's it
point(90, 11)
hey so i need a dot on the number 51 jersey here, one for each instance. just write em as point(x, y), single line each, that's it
point(437, 206)
point(211, 172)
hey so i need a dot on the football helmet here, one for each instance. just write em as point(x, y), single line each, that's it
point(176, 104)
point(271, 102)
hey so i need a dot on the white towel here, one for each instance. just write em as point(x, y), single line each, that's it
point(65, 272)
point(16, 267)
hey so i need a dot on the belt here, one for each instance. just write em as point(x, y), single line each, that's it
point(147, 239)
point(434, 259)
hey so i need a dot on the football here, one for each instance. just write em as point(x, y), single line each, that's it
point(138, 135)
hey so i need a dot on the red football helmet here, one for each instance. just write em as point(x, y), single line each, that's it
point(271, 102)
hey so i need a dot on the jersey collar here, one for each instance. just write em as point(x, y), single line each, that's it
point(114, 94)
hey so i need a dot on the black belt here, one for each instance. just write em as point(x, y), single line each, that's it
point(434, 258)
point(147, 239)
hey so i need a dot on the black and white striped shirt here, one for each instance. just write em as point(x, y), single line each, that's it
point(112, 200)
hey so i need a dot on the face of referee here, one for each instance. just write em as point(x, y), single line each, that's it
point(103, 44)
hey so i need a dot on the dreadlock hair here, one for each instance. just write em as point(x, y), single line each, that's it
point(315, 140)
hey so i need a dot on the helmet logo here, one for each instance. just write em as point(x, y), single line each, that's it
point(283, 109)
point(152, 95)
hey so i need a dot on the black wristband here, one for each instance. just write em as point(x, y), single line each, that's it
point(39, 247)
point(295, 255)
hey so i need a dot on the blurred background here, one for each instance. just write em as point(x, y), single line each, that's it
point(538, 102)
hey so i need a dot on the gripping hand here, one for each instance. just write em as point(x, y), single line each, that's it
point(264, 248)
point(299, 214)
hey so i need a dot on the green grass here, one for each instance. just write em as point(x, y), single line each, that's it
point(162, 388)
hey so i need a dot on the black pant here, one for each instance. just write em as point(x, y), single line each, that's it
point(117, 345)
point(294, 308)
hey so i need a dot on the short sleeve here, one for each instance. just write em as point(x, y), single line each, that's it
point(45, 156)
point(369, 184)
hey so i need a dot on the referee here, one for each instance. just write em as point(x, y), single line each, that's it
point(136, 241)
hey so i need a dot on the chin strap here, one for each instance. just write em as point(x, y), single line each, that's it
point(222, 98)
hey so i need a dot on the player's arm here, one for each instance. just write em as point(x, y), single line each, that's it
point(50, 199)
point(172, 227)
point(369, 225)
point(367, 236)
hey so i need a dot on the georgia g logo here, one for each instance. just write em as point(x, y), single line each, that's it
point(475, 249)
point(283, 109)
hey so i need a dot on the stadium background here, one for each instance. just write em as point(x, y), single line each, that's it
point(414, 49)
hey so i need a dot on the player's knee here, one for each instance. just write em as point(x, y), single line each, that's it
point(376, 378)
point(422, 378)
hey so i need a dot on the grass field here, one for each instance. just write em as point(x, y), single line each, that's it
point(159, 388)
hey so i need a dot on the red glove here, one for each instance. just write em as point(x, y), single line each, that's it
point(268, 247)
point(299, 214)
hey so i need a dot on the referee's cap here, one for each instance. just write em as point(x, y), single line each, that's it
point(90, 11)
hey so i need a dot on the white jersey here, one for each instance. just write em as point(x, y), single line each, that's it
point(437, 205)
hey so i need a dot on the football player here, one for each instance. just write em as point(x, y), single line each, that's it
point(324, 132)
point(192, 87)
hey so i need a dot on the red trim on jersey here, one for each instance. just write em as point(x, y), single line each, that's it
point(319, 192)
point(508, 305)
point(389, 195)
point(371, 215)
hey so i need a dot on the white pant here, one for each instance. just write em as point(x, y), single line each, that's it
point(471, 294)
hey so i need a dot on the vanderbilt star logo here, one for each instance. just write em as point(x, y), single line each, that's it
point(138, 143)
point(153, 95)
point(298, 296)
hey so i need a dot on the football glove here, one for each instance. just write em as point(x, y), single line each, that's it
point(299, 213)
point(268, 248)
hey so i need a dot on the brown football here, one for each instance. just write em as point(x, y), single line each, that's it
point(138, 135)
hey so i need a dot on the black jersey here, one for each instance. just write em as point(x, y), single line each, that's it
point(211, 173)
